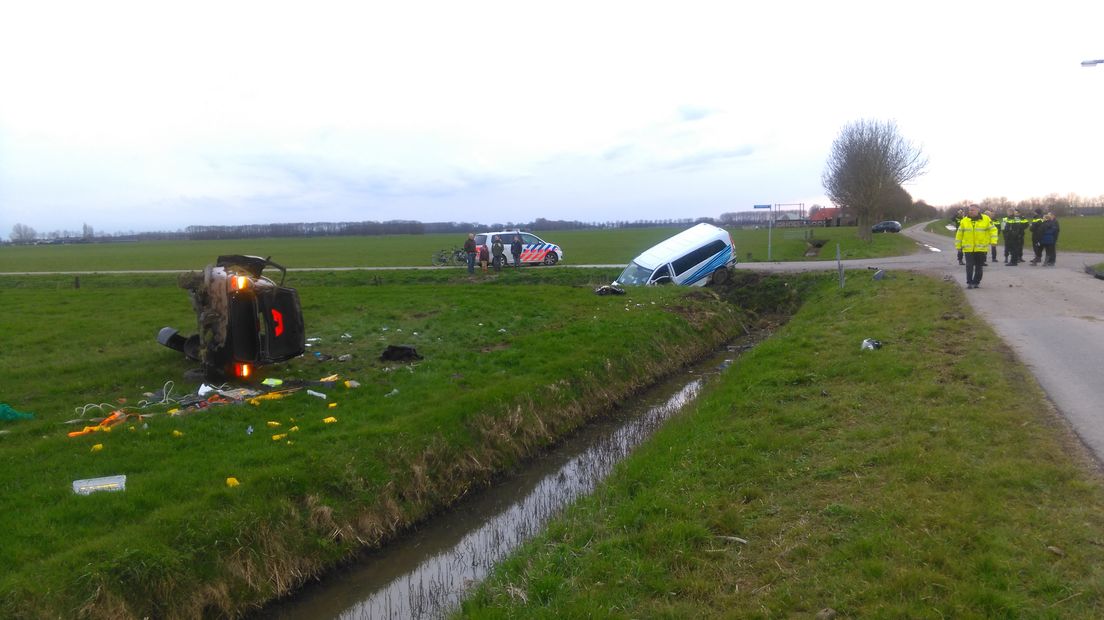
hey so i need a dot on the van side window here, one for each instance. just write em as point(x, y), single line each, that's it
point(481, 240)
point(682, 263)
point(662, 272)
point(526, 238)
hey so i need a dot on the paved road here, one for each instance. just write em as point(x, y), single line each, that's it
point(1052, 317)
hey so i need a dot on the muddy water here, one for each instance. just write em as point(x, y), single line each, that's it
point(427, 573)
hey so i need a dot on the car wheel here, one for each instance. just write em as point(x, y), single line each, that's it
point(720, 276)
point(551, 258)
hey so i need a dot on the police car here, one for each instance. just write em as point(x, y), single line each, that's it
point(534, 250)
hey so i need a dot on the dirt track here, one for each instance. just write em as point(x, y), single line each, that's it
point(1052, 317)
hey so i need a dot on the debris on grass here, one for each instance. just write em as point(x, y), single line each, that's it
point(106, 483)
point(870, 344)
point(8, 414)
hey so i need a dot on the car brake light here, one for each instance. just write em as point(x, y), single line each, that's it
point(240, 283)
point(243, 370)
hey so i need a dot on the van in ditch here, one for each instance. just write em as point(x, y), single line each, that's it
point(697, 256)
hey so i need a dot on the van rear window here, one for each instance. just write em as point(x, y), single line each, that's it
point(481, 240)
point(685, 262)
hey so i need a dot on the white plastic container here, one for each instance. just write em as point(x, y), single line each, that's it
point(107, 483)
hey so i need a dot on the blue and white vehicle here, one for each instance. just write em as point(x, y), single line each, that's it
point(697, 256)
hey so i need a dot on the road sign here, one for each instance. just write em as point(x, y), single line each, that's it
point(762, 206)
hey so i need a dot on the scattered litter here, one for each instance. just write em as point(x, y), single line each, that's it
point(322, 357)
point(870, 344)
point(400, 353)
point(279, 437)
point(293, 429)
point(106, 483)
point(249, 430)
point(330, 379)
point(316, 394)
point(177, 434)
point(272, 423)
point(232, 482)
point(9, 414)
point(332, 405)
point(329, 420)
point(608, 290)
point(272, 382)
point(352, 384)
point(205, 389)
point(345, 358)
point(502, 330)
point(879, 274)
point(97, 447)
point(314, 340)
point(391, 393)
point(346, 336)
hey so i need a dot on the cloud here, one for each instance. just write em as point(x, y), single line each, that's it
point(706, 159)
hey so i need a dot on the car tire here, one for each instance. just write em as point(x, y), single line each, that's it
point(551, 258)
point(720, 276)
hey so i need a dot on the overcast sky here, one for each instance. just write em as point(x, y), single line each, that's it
point(155, 115)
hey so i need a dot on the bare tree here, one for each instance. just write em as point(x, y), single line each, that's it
point(866, 168)
point(21, 233)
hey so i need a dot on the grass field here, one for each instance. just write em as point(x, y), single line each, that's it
point(1078, 234)
point(510, 364)
point(925, 479)
point(586, 247)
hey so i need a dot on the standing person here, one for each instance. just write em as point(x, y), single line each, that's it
point(515, 249)
point(498, 255)
point(469, 250)
point(1003, 228)
point(1048, 238)
point(992, 218)
point(1036, 222)
point(976, 234)
point(484, 257)
point(1014, 237)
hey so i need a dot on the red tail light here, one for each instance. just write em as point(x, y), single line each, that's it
point(240, 283)
point(243, 370)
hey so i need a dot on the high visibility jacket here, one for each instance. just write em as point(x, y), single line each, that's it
point(975, 235)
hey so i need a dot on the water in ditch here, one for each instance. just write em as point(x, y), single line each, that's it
point(428, 572)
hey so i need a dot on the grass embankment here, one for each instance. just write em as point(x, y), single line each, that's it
point(508, 368)
point(581, 247)
point(924, 479)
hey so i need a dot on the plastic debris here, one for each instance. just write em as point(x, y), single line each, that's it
point(106, 483)
point(609, 290)
point(232, 482)
point(346, 336)
point(249, 430)
point(399, 353)
point(345, 358)
point(316, 394)
point(293, 429)
point(329, 420)
point(8, 414)
point(272, 382)
point(352, 384)
point(279, 437)
point(272, 423)
point(205, 389)
point(97, 447)
point(502, 330)
point(314, 340)
point(177, 434)
point(331, 405)
point(870, 344)
point(391, 393)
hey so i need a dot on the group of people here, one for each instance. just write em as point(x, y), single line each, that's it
point(496, 256)
point(977, 234)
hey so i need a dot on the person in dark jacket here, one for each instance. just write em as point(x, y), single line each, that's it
point(515, 249)
point(1048, 238)
point(498, 254)
point(1033, 226)
point(1014, 231)
point(469, 250)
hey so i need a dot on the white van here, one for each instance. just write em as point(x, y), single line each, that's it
point(695, 257)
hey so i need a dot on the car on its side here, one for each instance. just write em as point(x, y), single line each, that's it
point(886, 226)
point(534, 250)
point(696, 256)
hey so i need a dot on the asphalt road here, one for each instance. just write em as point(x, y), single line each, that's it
point(1051, 317)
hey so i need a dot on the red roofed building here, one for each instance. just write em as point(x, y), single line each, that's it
point(830, 216)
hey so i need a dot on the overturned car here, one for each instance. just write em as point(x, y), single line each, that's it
point(245, 319)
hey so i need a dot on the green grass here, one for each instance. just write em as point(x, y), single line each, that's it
point(511, 363)
point(587, 247)
point(1078, 234)
point(925, 479)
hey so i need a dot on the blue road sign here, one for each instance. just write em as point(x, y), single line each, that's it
point(762, 206)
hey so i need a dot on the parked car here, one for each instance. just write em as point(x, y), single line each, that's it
point(886, 226)
point(534, 250)
point(697, 256)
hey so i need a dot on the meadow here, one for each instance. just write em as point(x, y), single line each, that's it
point(510, 364)
point(581, 247)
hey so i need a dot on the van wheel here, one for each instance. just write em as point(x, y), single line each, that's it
point(720, 276)
point(551, 258)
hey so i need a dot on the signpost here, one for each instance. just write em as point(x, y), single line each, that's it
point(770, 228)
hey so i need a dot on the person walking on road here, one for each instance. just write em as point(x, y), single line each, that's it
point(498, 255)
point(976, 234)
point(515, 250)
point(469, 250)
point(1048, 238)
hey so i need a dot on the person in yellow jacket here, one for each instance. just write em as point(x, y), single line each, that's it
point(976, 234)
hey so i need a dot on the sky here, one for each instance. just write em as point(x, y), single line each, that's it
point(157, 115)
